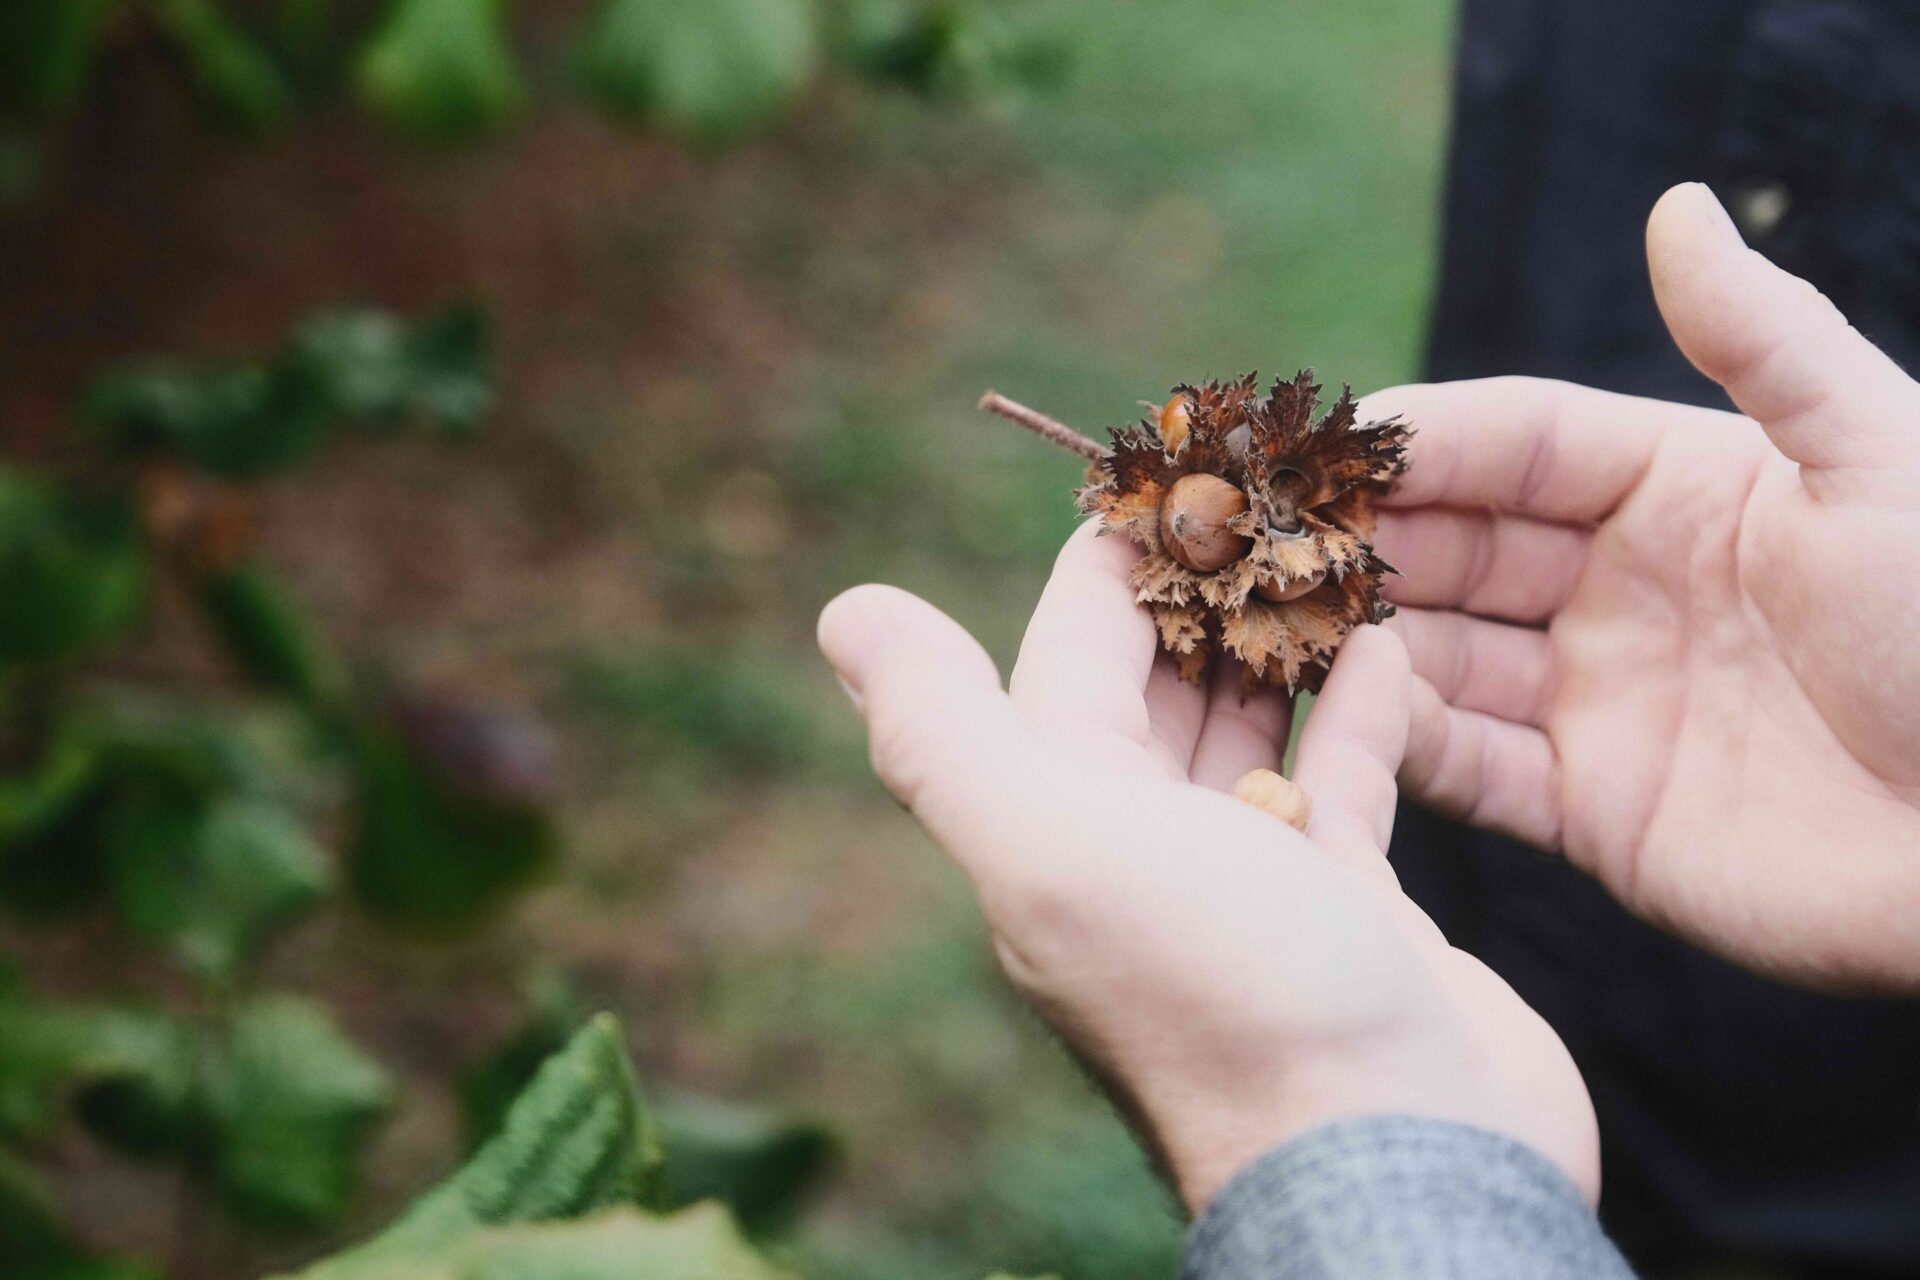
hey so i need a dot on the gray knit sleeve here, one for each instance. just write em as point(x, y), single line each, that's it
point(1400, 1198)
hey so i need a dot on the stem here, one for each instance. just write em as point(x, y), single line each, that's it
point(1046, 428)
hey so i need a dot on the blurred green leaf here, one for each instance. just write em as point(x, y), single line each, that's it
point(210, 879)
point(290, 1101)
point(442, 68)
point(759, 1163)
point(33, 799)
point(737, 710)
point(73, 570)
point(243, 421)
point(576, 1142)
point(50, 1052)
point(231, 73)
point(429, 853)
point(711, 69)
point(953, 48)
point(374, 368)
point(273, 638)
point(47, 50)
point(144, 1102)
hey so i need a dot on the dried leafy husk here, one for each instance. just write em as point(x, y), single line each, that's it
point(1310, 483)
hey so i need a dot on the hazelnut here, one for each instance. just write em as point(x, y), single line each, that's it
point(1193, 522)
point(1280, 592)
point(1176, 420)
point(1281, 797)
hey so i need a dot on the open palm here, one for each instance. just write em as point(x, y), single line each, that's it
point(1683, 646)
point(1235, 981)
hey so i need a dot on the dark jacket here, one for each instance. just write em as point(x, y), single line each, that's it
point(1738, 1118)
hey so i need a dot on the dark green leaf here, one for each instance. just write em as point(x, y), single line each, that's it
point(709, 68)
point(374, 368)
point(73, 570)
point(47, 50)
point(431, 853)
point(273, 637)
point(290, 1102)
point(442, 68)
point(49, 1052)
point(242, 421)
point(231, 73)
point(759, 1163)
point(210, 878)
point(577, 1141)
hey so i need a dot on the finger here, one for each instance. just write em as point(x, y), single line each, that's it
point(1482, 770)
point(939, 727)
point(1499, 566)
point(1176, 709)
point(1545, 449)
point(1827, 397)
point(1088, 650)
point(1242, 731)
point(1351, 746)
point(1476, 665)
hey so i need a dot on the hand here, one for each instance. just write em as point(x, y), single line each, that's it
point(1233, 981)
point(1683, 646)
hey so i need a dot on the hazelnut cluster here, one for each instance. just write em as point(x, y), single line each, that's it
point(1256, 518)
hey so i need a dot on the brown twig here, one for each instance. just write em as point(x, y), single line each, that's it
point(1046, 428)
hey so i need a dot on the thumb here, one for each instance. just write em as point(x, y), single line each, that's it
point(944, 737)
point(1827, 397)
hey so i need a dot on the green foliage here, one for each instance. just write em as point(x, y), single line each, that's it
point(430, 852)
point(210, 877)
point(272, 638)
point(711, 69)
point(946, 47)
point(253, 420)
point(232, 74)
point(289, 1102)
point(179, 821)
point(47, 49)
point(577, 1141)
point(760, 1164)
point(378, 370)
point(442, 68)
point(73, 572)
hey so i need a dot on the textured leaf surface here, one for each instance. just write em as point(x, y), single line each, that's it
point(709, 68)
point(577, 1141)
point(290, 1101)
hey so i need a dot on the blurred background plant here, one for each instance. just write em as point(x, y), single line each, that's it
point(350, 752)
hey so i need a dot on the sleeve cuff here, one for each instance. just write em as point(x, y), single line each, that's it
point(1400, 1198)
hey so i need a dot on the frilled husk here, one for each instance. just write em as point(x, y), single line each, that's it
point(1310, 486)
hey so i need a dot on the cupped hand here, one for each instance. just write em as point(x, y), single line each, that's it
point(1679, 645)
point(1233, 981)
